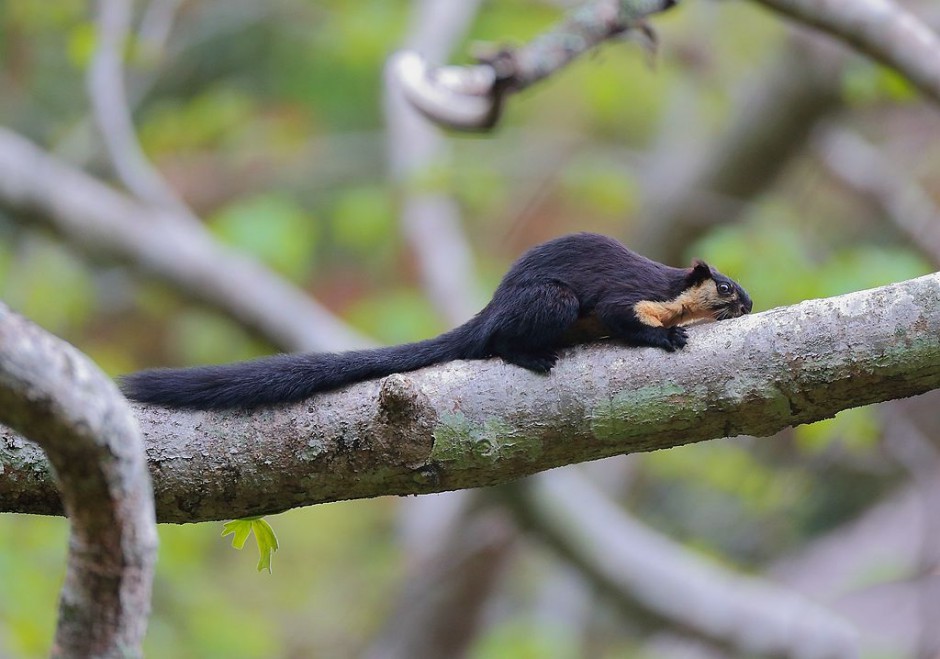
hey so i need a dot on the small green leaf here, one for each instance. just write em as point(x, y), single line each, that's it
point(241, 528)
point(264, 537)
point(267, 543)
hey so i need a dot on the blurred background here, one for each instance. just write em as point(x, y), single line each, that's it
point(796, 167)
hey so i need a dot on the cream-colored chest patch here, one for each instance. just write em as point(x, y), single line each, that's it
point(696, 303)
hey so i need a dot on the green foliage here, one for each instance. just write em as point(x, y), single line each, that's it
point(363, 218)
point(865, 83)
point(32, 565)
point(526, 640)
point(273, 228)
point(599, 185)
point(51, 286)
point(82, 40)
point(729, 468)
point(779, 264)
point(240, 529)
point(37, 16)
point(396, 316)
point(857, 430)
point(200, 337)
point(210, 118)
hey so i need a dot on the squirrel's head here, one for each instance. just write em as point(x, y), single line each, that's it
point(721, 296)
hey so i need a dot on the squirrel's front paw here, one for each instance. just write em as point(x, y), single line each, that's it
point(675, 339)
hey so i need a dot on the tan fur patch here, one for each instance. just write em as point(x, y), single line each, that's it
point(696, 303)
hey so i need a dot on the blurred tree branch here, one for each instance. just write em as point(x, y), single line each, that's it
point(112, 111)
point(94, 218)
point(57, 397)
point(869, 172)
point(431, 219)
point(633, 563)
point(467, 424)
point(471, 97)
point(883, 29)
point(769, 127)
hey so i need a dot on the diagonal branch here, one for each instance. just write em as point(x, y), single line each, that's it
point(469, 424)
point(633, 562)
point(870, 172)
point(880, 28)
point(103, 222)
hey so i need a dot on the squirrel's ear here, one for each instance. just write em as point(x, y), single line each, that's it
point(699, 272)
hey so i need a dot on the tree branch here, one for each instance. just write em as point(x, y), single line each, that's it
point(471, 97)
point(468, 424)
point(769, 127)
point(431, 219)
point(879, 28)
point(112, 112)
point(58, 398)
point(870, 172)
point(103, 222)
point(630, 561)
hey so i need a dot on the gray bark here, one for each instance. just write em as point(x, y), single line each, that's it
point(745, 615)
point(58, 398)
point(469, 424)
point(880, 28)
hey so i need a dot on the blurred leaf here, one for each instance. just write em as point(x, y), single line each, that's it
point(202, 337)
point(363, 217)
point(624, 96)
point(45, 15)
point(602, 186)
point(856, 429)
point(779, 264)
point(212, 117)
point(82, 41)
point(859, 267)
point(526, 640)
point(240, 529)
point(50, 285)
point(726, 467)
point(32, 565)
point(395, 317)
point(273, 228)
point(865, 82)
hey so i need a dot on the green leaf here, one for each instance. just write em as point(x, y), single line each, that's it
point(273, 228)
point(264, 537)
point(240, 528)
point(267, 543)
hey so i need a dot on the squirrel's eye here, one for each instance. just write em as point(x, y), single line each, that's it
point(724, 288)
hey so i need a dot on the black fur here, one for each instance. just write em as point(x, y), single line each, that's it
point(585, 281)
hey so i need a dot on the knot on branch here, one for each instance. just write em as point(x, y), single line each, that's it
point(404, 422)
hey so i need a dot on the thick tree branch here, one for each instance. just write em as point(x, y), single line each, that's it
point(468, 424)
point(103, 222)
point(58, 398)
point(880, 28)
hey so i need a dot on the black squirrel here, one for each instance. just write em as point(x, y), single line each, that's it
point(570, 290)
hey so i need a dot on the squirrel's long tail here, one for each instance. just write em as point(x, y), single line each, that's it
point(292, 377)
